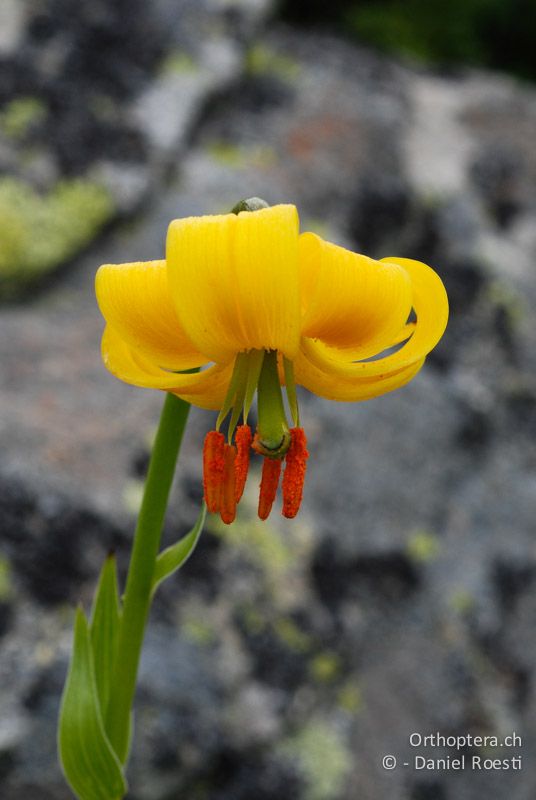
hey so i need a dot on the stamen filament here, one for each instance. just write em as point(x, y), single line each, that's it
point(290, 385)
point(255, 360)
point(237, 410)
point(238, 378)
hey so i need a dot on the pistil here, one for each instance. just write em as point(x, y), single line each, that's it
point(272, 438)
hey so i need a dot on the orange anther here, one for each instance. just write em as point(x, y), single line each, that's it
point(271, 469)
point(243, 439)
point(213, 465)
point(294, 476)
point(228, 486)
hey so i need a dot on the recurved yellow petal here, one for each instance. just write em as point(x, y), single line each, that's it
point(135, 300)
point(234, 281)
point(206, 388)
point(431, 307)
point(335, 387)
point(350, 301)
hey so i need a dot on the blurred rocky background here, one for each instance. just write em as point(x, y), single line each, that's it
point(287, 658)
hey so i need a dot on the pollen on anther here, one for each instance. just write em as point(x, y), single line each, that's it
point(243, 439)
point(271, 470)
point(294, 475)
point(213, 467)
point(228, 486)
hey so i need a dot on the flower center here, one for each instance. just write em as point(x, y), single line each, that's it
point(225, 465)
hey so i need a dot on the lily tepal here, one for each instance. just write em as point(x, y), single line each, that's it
point(245, 304)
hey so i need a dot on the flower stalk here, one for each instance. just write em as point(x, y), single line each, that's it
point(137, 597)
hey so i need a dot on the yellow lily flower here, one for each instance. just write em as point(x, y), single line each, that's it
point(255, 305)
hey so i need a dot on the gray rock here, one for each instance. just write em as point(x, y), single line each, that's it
point(403, 596)
point(12, 19)
point(120, 118)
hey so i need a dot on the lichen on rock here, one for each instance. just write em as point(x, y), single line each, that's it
point(40, 232)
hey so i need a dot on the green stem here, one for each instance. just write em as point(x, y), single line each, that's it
point(137, 598)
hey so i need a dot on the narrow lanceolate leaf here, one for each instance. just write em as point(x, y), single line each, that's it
point(104, 630)
point(89, 763)
point(175, 556)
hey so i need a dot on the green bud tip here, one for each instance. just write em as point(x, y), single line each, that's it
point(251, 204)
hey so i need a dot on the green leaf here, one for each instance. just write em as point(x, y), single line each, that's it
point(89, 763)
point(175, 556)
point(104, 630)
